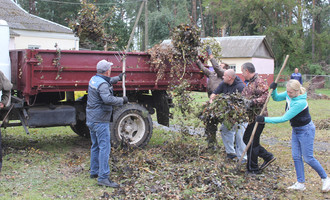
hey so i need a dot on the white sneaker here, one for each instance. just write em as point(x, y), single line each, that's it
point(297, 186)
point(326, 184)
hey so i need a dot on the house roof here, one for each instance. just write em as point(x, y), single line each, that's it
point(242, 46)
point(245, 46)
point(18, 18)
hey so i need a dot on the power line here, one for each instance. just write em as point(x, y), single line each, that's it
point(98, 4)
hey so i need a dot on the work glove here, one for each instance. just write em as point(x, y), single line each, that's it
point(121, 75)
point(248, 103)
point(125, 99)
point(273, 86)
point(208, 50)
point(260, 119)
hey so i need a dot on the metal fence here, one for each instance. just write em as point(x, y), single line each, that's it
point(320, 81)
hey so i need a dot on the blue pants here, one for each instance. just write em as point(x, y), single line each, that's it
point(100, 150)
point(234, 136)
point(302, 147)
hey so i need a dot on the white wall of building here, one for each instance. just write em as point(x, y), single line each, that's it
point(262, 65)
point(4, 52)
point(43, 40)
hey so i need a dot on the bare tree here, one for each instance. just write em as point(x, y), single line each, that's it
point(194, 11)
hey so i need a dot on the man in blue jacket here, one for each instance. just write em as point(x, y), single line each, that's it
point(296, 75)
point(231, 84)
point(98, 114)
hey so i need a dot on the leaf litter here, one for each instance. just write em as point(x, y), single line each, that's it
point(185, 169)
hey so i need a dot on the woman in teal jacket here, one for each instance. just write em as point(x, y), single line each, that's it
point(303, 131)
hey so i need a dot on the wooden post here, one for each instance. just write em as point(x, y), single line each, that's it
point(127, 47)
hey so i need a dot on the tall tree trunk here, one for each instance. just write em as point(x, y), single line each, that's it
point(213, 26)
point(158, 5)
point(300, 16)
point(32, 7)
point(313, 33)
point(290, 18)
point(223, 31)
point(194, 11)
point(146, 36)
point(175, 10)
point(202, 19)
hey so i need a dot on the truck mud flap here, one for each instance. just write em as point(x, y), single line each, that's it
point(45, 116)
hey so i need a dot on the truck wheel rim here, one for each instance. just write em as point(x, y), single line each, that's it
point(132, 127)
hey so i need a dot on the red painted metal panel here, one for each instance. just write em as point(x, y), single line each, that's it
point(37, 71)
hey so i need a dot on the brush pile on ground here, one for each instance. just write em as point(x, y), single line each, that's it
point(185, 170)
point(311, 86)
point(227, 109)
point(322, 124)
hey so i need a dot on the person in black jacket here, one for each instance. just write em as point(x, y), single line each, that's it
point(231, 84)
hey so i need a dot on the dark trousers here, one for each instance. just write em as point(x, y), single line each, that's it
point(255, 150)
point(211, 131)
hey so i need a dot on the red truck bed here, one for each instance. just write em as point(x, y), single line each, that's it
point(35, 71)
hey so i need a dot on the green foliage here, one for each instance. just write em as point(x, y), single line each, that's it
point(159, 25)
point(314, 69)
point(213, 44)
point(53, 11)
point(89, 27)
point(186, 40)
point(288, 24)
point(227, 109)
point(118, 29)
point(182, 98)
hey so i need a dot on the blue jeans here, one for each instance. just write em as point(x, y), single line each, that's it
point(302, 147)
point(231, 136)
point(100, 150)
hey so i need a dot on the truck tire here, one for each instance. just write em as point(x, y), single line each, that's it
point(81, 129)
point(132, 121)
point(160, 98)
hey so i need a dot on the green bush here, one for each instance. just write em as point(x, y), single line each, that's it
point(314, 69)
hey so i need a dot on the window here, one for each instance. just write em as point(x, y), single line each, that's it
point(232, 66)
point(33, 46)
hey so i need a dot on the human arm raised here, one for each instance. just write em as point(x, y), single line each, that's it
point(201, 66)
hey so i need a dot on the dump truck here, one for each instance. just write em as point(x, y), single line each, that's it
point(45, 82)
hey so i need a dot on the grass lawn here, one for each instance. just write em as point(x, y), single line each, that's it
point(53, 163)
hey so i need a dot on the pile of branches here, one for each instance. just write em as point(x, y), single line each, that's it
point(213, 44)
point(89, 26)
point(185, 39)
point(323, 124)
point(182, 51)
point(174, 57)
point(160, 56)
point(311, 86)
point(227, 109)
